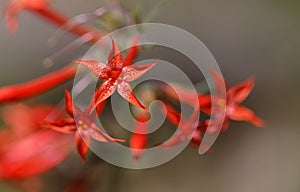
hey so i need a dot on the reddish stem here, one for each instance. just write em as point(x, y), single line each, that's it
point(60, 20)
point(37, 86)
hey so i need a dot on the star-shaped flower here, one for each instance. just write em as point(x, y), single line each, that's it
point(117, 74)
point(231, 106)
point(81, 122)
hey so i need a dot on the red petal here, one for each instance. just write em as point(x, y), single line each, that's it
point(82, 143)
point(70, 108)
point(187, 96)
point(11, 16)
point(105, 91)
point(138, 141)
point(241, 91)
point(125, 91)
point(172, 114)
point(67, 125)
point(131, 73)
point(115, 59)
point(219, 83)
point(205, 103)
point(176, 139)
point(29, 116)
point(69, 103)
point(34, 154)
point(198, 135)
point(131, 54)
point(98, 135)
point(13, 115)
point(240, 113)
point(99, 69)
point(89, 111)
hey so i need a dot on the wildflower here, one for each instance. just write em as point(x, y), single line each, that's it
point(117, 74)
point(231, 106)
point(81, 123)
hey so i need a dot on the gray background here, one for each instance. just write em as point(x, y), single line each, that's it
point(247, 37)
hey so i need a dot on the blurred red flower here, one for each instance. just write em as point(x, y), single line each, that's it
point(81, 123)
point(26, 149)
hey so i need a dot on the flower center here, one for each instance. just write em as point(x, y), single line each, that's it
point(82, 125)
point(222, 104)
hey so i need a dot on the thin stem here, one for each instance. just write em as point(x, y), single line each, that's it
point(60, 20)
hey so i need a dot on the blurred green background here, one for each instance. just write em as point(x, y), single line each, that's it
point(257, 38)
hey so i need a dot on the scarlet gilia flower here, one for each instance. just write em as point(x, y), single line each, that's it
point(37, 86)
point(185, 126)
point(81, 123)
point(26, 149)
point(138, 139)
point(117, 74)
point(15, 6)
point(232, 106)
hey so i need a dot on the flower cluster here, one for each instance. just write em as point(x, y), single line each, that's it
point(43, 140)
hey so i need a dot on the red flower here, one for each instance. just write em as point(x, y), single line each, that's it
point(15, 6)
point(37, 86)
point(138, 139)
point(81, 122)
point(232, 106)
point(26, 149)
point(117, 74)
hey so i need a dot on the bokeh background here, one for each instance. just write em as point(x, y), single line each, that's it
point(257, 38)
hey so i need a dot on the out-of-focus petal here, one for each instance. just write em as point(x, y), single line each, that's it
point(82, 140)
point(125, 91)
point(172, 114)
point(33, 154)
point(96, 134)
point(241, 113)
point(138, 144)
point(219, 83)
point(99, 69)
point(66, 125)
point(131, 73)
point(11, 16)
point(241, 91)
